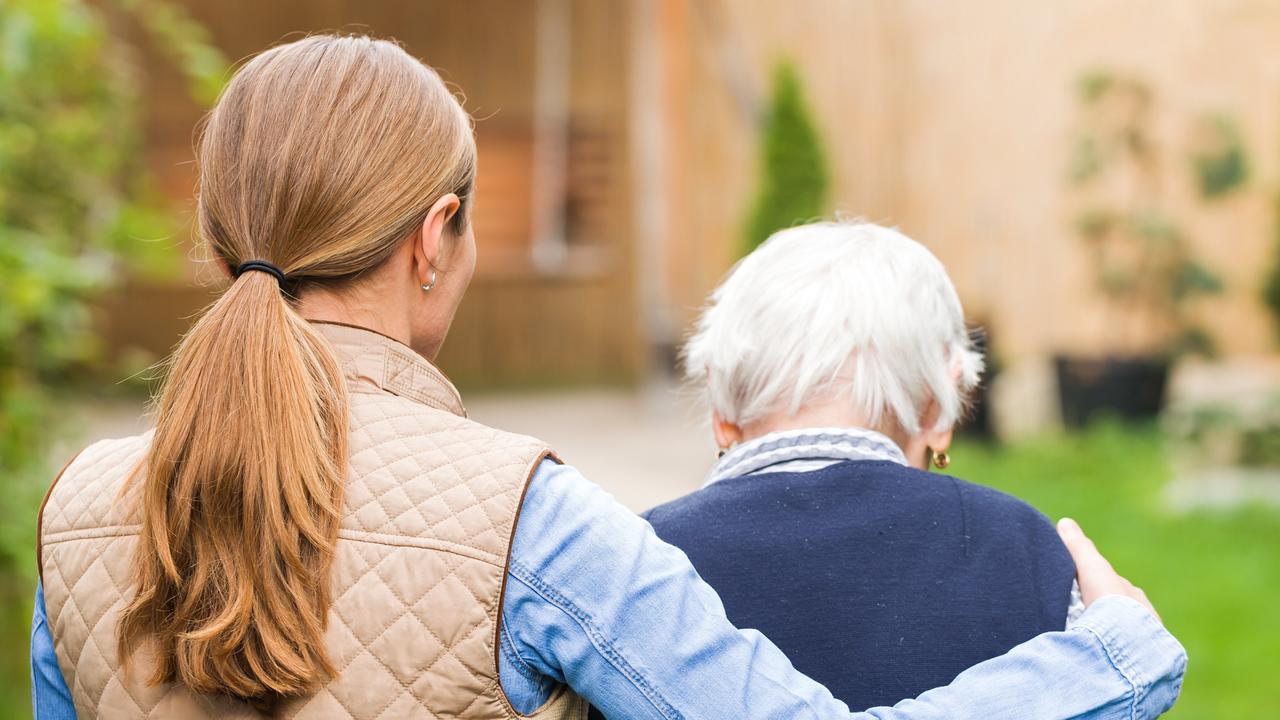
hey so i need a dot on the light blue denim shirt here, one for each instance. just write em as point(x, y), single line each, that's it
point(596, 601)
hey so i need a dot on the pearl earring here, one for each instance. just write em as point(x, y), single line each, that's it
point(427, 287)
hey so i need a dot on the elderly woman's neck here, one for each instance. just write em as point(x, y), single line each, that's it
point(820, 415)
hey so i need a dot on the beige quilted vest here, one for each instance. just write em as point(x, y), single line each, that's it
point(431, 505)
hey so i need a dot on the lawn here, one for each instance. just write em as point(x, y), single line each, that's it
point(1214, 576)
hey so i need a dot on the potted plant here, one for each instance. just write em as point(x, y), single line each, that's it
point(979, 421)
point(1142, 262)
point(1226, 449)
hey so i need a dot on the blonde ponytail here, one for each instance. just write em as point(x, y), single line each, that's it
point(320, 158)
point(241, 505)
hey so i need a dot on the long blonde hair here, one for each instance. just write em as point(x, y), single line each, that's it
point(321, 157)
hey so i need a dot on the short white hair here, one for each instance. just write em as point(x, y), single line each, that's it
point(836, 307)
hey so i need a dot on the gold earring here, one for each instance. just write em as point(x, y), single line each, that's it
point(940, 459)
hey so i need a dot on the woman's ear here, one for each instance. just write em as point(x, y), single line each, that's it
point(427, 247)
point(918, 446)
point(727, 434)
point(938, 440)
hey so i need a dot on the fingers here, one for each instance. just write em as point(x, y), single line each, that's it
point(1094, 573)
point(1141, 597)
point(1090, 565)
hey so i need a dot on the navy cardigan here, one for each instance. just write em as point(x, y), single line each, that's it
point(878, 580)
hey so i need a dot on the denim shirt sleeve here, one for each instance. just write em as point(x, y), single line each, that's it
point(50, 697)
point(596, 601)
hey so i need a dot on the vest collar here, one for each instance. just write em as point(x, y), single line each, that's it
point(370, 359)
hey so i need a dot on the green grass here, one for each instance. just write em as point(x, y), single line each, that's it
point(1213, 576)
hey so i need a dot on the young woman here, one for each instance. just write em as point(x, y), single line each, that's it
point(836, 363)
point(315, 529)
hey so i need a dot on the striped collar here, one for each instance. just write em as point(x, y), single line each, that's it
point(804, 450)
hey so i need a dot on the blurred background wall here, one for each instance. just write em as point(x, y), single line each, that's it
point(954, 121)
point(547, 83)
point(618, 144)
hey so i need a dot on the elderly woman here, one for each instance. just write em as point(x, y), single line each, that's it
point(836, 363)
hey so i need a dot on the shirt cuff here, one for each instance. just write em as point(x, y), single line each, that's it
point(1140, 648)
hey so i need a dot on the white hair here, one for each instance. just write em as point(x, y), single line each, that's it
point(836, 307)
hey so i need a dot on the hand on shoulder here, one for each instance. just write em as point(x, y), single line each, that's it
point(1096, 576)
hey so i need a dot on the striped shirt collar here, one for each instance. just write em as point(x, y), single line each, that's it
point(804, 450)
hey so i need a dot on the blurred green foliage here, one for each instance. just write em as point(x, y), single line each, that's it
point(1220, 164)
point(75, 208)
point(1231, 434)
point(1271, 283)
point(1143, 264)
point(793, 164)
point(1214, 575)
point(184, 40)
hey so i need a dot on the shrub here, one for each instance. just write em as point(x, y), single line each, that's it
point(74, 200)
point(793, 184)
point(1271, 285)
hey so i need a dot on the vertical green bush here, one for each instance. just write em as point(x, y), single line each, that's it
point(75, 202)
point(794, 173)
point(1271, 284)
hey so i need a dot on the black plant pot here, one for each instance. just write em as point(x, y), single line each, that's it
point(1130, 388)
point(979, 423)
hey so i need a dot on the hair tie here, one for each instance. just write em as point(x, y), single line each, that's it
point(261, 266)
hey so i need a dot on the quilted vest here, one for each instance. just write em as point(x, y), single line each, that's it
point(431, 503)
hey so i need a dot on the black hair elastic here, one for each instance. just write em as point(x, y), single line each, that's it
point(261, 266)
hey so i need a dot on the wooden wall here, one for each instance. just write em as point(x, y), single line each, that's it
point(950, 120)
point(520, 323)
point(953, 121)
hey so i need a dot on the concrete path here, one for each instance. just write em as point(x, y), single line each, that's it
point(645, 446)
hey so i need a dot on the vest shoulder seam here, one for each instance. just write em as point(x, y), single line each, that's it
point(420, 543)
point(92, 533)
point(404, 541)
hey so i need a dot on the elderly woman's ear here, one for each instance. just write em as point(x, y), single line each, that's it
point(930, 444)
point(727, 434)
